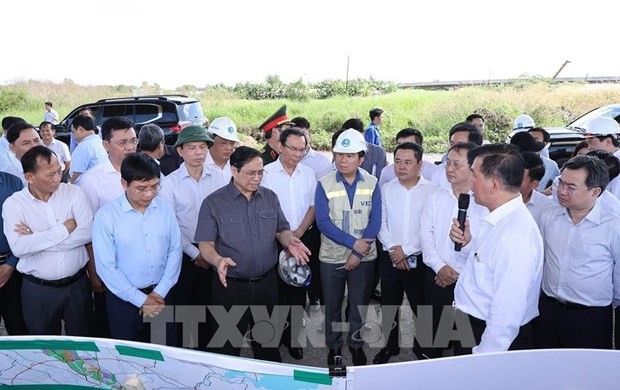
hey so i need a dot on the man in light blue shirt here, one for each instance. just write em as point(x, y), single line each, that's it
point(137, 246)
point(89, 151)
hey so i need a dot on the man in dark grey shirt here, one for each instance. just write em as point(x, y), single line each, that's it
point(238, 226)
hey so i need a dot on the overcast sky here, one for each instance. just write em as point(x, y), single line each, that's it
point(208, 42)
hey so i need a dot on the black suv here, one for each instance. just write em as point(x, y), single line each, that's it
point(170, 112)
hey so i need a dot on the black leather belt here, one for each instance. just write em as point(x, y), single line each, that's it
point(250, 280)
point(568, 305)
point(148, 290)
point(64, 282)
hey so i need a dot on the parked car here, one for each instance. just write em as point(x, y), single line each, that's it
point(564, 139)
point(171, 112)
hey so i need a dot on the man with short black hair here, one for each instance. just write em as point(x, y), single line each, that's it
point(408, 135)
point(541, 135)
point(371, 134)
point(21, 137)
point(151, 141)
point(500, 283)
point(47, 225)
point(47, 132)
point(89, 152)
point(7, 157)
point(476, 120)
point(50, 114)
point(315, 160)
point(137, 245)
point(238, 229)
point(375, 158)
point(459, 133)
point(582, 261)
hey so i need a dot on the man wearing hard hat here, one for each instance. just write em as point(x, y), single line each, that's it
point(348, 213)
point(224, 133)
point(523, 122)
point(271, 128)
point(602, 134)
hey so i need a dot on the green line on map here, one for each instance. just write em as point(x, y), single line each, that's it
point(139, 352)
point(49, 344)
point(312, 377)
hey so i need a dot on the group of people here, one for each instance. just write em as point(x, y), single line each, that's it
point(132, 245)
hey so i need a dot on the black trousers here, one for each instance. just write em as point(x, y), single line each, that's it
point(11, 306)
point(439, 298)
point(126, 322)
point(562, 326)
point(263, 293)
point(394, 284)
point(101, 328)
point(312, 239)
point(46, 307)
point(524, 339)
point(193, 288)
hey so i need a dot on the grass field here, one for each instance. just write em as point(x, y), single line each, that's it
point(432, 112)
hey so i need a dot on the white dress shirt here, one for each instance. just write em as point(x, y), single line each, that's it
point(101, 184)
point(500, 283)
point(225, 173)
point(401, 209)
point(581, 261)
point(50, 252)
point(185, 194)
point(8, 161)
point(388, 173)
point(441, 207)
point(537, 204)
point(614, 187)
point(316, 161)
point(62, 151)
point(295, 192)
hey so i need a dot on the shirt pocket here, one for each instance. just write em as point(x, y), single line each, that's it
point(268, 224)
point(233, 227)
point(479, 270)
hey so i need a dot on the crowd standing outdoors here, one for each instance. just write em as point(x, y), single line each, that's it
point(121, 231)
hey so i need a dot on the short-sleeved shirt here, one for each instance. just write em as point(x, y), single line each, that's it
point(244, 230)
point(87, 154)
point(62, 152)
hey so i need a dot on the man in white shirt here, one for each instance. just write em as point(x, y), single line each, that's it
point(444, 263)
point(582, 261)
point(408, 135)
point(295, 185)
point(318, 162)
point(224, 134)
point(185, 189)
point(50, 114)
point(89, 151)
point(47, 225)
point(500, 283)
point(534, 171)
point(21, 137)
point(459, 133)
point(7, 157)
point(401, 267)
point(102, 184)
point(47, 132)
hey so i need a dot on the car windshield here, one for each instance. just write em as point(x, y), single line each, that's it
point(584, 121)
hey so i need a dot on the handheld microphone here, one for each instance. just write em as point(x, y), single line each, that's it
point(463, 206)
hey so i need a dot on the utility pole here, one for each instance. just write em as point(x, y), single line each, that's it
point(559, 70)
point(346, 81)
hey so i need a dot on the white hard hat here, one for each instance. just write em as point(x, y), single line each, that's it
point(225, 128)
point(291, 273)
point(350, 141)
point(602, 126)
point(523, 122)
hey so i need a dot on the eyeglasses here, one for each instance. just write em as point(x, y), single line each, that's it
point(252, 174)
point(571, 188)
point(143, 189)
point(295, 150)
point(125, 142)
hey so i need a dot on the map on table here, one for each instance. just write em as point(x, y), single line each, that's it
point(80, 363)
